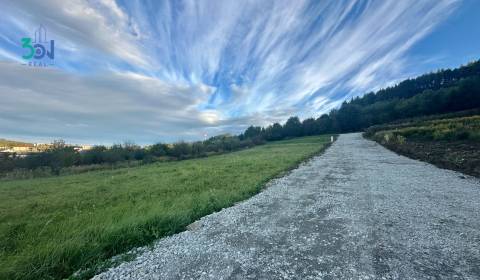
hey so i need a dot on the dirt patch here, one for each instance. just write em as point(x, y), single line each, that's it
point(460, 156)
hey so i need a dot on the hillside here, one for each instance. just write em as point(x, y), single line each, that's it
point(12, 143)
point(443, 92)
point(433, 81)
point(451, 143)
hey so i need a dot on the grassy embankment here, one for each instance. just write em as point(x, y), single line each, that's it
point(448, 143)
point(51, 227)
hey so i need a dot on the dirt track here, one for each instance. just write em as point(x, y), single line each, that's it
point(358, 211)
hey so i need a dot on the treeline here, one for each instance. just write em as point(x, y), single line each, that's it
point(292, 128)
point(62, 156)
point(445, 91)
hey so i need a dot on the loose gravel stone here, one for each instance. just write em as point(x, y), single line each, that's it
point(358, 211)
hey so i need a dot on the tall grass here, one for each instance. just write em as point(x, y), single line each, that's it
point(51, 227)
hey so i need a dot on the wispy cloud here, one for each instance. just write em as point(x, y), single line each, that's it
point(85, 27)
point(50, 103)
point(153, 70)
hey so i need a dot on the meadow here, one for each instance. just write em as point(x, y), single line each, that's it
point(52, 227)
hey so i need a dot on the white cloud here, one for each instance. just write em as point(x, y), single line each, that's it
point(171, 69)
point(286, 53)
point(111, 106)
point(99, 26)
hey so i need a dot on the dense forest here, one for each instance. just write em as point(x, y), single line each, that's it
point(445, 91)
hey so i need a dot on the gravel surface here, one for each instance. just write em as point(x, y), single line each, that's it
point(358, 211)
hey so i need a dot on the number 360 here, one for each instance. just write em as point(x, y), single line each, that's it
point(37, 51)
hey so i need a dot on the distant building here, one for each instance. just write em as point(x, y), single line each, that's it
point(25, 150)
point(82, 148)
point(41, 147)
point(22, 149)
point(86, 147)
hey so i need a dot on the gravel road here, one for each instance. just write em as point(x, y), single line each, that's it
point(358, 211)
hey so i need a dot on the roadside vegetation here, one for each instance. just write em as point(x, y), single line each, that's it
point(466, 128)
point(452, 143)
point(62, 159)
point(51, 227)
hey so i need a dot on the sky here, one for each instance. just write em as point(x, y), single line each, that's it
point(165, 71)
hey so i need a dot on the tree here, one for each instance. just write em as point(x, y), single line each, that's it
point(323, 124)
point(309, 127)
point(181, 150)
point(252, 132)
point(58, 144)
point(274, 132)
point(158, 149)
point(293, 127)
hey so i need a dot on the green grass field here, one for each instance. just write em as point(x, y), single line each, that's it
point(51, 227)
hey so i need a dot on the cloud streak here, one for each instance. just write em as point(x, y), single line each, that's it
point(121, 106)
point(167, 70)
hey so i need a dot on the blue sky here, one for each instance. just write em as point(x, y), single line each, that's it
point(149, 71)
